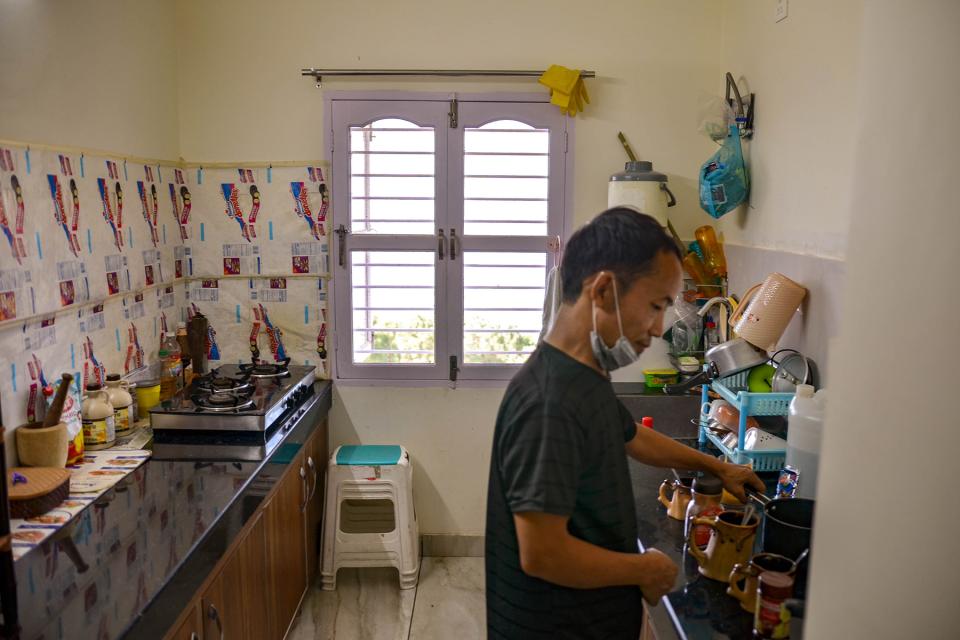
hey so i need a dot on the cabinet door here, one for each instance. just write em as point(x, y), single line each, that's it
point(252, 556)
point(316, 451)
point(222, 603)
point(191, 628)
point(286, 547)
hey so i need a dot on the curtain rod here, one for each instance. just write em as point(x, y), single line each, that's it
point(319, 73)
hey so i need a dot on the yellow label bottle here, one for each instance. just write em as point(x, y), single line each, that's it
point(118, 391)
point(99, 430)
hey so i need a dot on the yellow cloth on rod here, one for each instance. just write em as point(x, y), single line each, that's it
point(567, 90)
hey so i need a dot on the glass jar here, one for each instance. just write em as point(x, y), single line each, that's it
point(704, 501)
point(770, 618)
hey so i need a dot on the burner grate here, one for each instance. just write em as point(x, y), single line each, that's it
point(215, 383)
point(222, 401)
point(266, 370)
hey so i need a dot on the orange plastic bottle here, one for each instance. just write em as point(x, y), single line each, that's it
point(716, 261)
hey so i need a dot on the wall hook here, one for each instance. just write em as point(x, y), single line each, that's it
point(744, 116)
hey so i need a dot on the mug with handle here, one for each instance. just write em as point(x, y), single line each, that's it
point(677, 503)
point(731, 543)
point(747, 574)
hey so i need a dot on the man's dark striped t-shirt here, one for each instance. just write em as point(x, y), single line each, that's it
point(559, 448)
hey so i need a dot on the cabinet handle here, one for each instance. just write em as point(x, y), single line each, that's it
point(316, 474)
point(214, 615)
point(303, 481)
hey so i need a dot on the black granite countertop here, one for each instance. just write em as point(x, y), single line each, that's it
point(698, 607)
point(149, 543)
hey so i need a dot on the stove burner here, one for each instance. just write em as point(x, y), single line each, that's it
point(266, 370)
point(215, 383)
point(222, 401)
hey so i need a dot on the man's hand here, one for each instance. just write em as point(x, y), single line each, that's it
point(548, 551)
point(659, 574)
point(735, 477)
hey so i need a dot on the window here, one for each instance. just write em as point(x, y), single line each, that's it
point(445, 212)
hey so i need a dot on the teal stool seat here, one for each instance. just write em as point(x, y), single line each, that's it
point(369, 455)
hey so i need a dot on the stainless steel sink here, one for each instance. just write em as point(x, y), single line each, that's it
point(671, 415)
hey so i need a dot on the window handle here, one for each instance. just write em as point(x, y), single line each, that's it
point(441, 241)
point(454, 244)
point(342, 232)
point(454, 369)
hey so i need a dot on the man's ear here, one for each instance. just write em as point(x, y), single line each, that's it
point(600, 291)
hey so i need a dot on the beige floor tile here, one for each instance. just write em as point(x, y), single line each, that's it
point(450, 600)
point(367, 605)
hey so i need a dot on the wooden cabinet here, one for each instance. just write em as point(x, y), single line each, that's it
point(252, 555)
point(191, 628)
point(286, 544)
point(317, 454)
point(222, 603)
point(256, 589)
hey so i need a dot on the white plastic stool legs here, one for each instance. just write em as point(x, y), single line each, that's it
point(370, 521)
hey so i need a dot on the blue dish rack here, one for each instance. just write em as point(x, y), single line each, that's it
point(733, 389)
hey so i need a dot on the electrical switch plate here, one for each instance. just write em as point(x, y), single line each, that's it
point(780, 13)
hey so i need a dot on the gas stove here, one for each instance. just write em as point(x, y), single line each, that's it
point(243, 397)
point(235, 412)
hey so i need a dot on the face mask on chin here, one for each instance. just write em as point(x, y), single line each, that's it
point(622, 352)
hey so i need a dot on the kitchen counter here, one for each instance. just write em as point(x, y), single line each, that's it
point(148, 543)
point(697, 607)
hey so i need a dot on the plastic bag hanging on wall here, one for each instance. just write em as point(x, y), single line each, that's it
point(724, 178)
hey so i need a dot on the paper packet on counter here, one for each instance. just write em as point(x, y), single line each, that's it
point(71, 416)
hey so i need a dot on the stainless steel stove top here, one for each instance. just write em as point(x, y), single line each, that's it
point(237, 398)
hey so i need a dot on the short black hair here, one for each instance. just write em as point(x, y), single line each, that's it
point(621, 240)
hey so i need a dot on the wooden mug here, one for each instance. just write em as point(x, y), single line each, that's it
point(730, 543)
point(677, 503)
point(748, 573)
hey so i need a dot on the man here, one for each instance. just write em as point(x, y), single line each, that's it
point(561, 539)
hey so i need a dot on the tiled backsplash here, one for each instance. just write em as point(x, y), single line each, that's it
point(104, 256)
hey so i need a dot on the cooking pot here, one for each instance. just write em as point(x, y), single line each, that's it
point(791, 370)
point(787, 525)
point(726, 359)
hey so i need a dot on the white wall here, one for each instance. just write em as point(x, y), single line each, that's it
point(99, 73)
point(804, 72)
point(242, 98)
point(885, 562)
